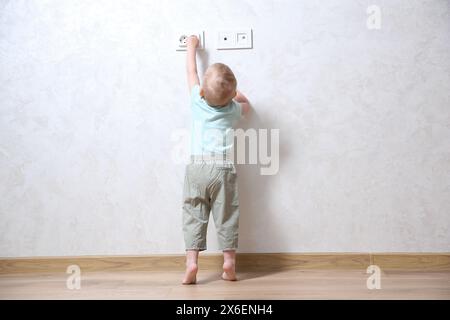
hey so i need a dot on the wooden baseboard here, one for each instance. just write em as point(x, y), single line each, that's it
point(412, 261)
point(245, 262)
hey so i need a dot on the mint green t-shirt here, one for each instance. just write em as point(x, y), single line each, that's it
point(212, 128)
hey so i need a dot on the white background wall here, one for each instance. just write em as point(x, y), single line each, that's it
point(91, 91)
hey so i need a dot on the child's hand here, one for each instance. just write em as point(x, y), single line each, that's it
point(192, 42)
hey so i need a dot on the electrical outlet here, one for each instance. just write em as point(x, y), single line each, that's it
point(182, 38)
point(235, 39)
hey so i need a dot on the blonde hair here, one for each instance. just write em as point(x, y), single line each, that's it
point(219, 85)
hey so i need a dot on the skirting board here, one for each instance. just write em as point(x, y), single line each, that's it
point(245, 262)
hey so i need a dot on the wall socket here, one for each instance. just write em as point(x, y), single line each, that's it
point(182, 36)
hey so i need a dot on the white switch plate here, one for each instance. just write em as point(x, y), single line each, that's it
point(181, 36)
point(235, 39)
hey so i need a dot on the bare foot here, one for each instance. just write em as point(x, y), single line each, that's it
point(229, 271)
point(190, 277)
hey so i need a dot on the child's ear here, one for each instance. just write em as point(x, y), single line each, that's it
point(202, 93)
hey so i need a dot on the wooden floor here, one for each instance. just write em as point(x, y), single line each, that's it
point(288, 284)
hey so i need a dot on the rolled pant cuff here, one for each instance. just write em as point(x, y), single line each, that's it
point(195, 248)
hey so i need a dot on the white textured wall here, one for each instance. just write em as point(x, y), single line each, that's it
point(90, 92)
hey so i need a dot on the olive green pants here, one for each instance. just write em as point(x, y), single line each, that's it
point(210, 186)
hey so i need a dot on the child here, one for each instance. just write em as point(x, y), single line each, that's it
point(210, 180)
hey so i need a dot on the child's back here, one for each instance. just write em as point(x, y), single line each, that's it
point(212, 125)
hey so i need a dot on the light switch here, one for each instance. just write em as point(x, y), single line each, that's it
point(235, 39)
point(242, 39)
